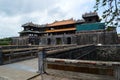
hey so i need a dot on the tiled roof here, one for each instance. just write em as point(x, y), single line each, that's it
point(63, 22)
point(90, 14)
point(32, 25)
point(28, 24)
point(32, 32)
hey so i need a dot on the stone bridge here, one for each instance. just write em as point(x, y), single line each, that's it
point(73, 58)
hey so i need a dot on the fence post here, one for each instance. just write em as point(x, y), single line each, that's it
point(41, 61)
point(117, 72)
point(1, 56)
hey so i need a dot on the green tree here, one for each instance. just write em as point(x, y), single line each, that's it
point(111, 11)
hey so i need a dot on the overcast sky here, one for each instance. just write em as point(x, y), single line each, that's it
point(14, 13)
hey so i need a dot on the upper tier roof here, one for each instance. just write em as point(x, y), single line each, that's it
point(63, 22)
point(91, 14)
point(32, 25)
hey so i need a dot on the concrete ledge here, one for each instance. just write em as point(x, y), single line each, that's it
point(84, 66)
point(81, 62)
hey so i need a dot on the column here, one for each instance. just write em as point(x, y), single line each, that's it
point(41, 61)
point(1, 57)
point(117, 72)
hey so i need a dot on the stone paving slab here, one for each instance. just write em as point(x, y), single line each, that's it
point(18, 71)
point(67, 75)
point(78, 76)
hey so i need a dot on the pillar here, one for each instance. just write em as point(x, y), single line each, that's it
point(41, 61)
point(117, 72)
point(1, 57)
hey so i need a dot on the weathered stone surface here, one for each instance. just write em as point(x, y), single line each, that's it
point(80, 38)
point(108, 53)
point(67, 75)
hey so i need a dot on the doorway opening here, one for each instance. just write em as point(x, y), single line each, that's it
point(58, 41)
point(48, 41)
point(69, 40)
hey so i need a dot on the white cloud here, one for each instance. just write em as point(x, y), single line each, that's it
point(15, 13)
point(9, 26)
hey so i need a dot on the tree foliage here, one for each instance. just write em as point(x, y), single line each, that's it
point(5, 41)
point(111, 11)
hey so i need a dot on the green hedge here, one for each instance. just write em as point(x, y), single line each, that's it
point(5, 41)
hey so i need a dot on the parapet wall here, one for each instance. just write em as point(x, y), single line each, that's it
point(89, 52)
point(111, 69)
point(103, 61)
point(108, 52)
point(96, 37)
point(13, 53)
point(79, 38)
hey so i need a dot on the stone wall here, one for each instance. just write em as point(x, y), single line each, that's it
point(108, 53)
point(104, 53)
point(58, 39)
point(97, 53)
point(79, 38)
point(20, 40)
point(102, 37)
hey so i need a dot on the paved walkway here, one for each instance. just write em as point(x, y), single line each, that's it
point(67, 75)
point(26, 69)
point(19, 71)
